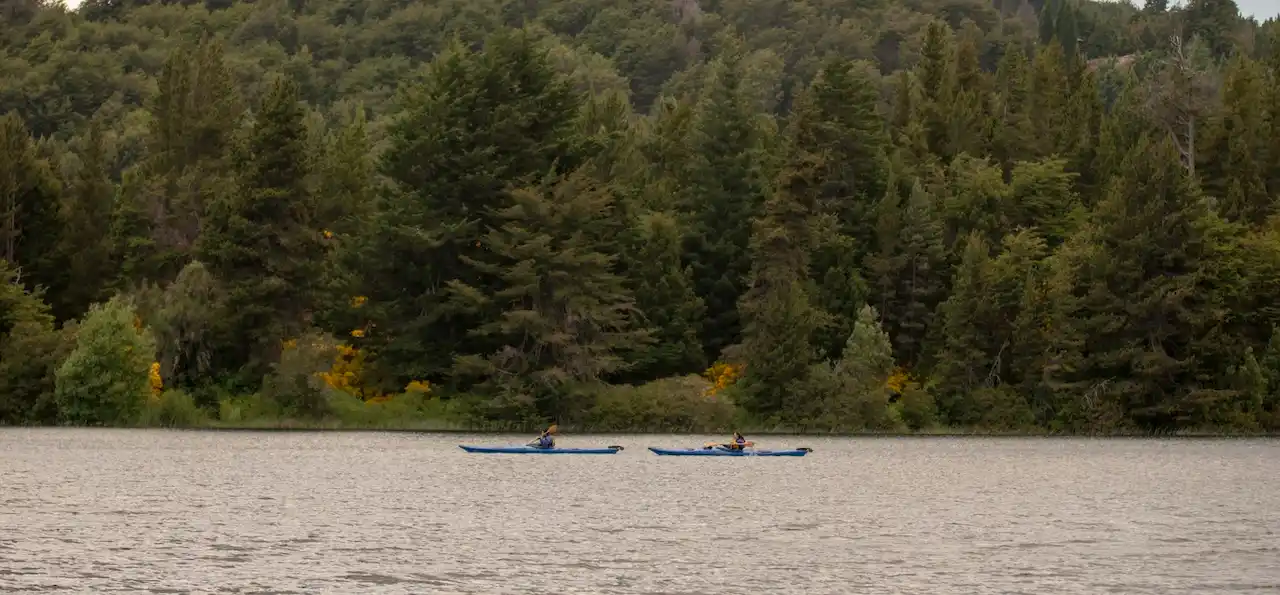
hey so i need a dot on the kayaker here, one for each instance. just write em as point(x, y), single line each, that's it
point(547, 439)
point(739, 442)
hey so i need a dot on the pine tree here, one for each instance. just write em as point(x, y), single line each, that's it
point(723, 194)
point(194, 117)
point(778, 317)
point(261, 243)
point(909, 270)
point(28, 207)
point(835, 125)
point(664, 295)
point(481, 122)
point(1234, 169)
point(1013, 137)
point(1047, 102)
point(84, 248)
point(963, 364)
point(566, 318)
point(937, 74)
point(1144, 294)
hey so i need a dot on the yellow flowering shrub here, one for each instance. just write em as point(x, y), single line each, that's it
point(157, 383)
point(348, 363)
point(722, 375)
point(897, 381)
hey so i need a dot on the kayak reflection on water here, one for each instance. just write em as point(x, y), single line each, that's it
point(546, 440)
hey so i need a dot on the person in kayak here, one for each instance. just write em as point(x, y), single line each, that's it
point(739, 442)
point(546, 440)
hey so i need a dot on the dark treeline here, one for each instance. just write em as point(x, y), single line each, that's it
point(818, 215)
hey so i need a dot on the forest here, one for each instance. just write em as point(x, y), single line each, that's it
point(1046, 216)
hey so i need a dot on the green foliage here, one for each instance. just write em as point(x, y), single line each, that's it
point(495, 213)
point(851, 392)
point(564, 317)
point(104, 380)
point(260, 242)
point(723, 192)
point(675, 404)
point(30, 352)
point(173, 409)
point(294, 387)
point(28, 206)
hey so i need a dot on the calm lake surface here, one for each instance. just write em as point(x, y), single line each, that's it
point(175, 512)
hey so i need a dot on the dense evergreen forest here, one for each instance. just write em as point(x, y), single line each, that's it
point(814, 215)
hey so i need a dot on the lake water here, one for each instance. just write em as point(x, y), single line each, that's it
point(175, 512)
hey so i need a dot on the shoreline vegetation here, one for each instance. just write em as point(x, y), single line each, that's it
point(938, 217)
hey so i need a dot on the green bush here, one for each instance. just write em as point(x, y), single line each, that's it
point(667, 404)
point(295, 385)
point(405, 410)
point(30, 352)
point(173, 409)
point(246, 409)
point(104, 380)
point(916, 408)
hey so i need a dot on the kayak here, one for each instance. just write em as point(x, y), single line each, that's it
point(721, 452)
point(530, 450)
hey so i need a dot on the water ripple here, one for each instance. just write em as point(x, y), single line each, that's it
point(93, 511)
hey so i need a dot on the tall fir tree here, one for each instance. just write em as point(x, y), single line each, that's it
point(664, 293)
point(194, 119)
point(481, 122)
point(1234, 157)
point(1144, 291)
point(261, 243)
point(29, 196)
point(909, 269)
point(936, 72)
point(566, 319)
point(84, 247)
point(778, 316)
point(836, 123)
point(724, 193)
point(1013, 136)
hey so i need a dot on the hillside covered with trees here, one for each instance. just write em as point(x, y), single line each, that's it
point(816, 215)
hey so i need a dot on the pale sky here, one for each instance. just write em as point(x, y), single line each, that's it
point(1259, 9)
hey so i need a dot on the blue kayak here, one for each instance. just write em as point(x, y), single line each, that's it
point(533, 450)
point(724, 452)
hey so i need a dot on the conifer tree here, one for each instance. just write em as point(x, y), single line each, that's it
point(566, 318)
point(723, 195)
point(779, 319)
point(908, 270)
point(937, 74)
point(835, 126)
point(481, 122)
point(665, 297)
point(261, 243)
point(83, 247)
point(1236, 156)
point(1012, 137)
point(1047, 101)
point(28, 207)
point(1143, 294)
point(964, 361)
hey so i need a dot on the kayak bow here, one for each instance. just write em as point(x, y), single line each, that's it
point(532, 450)
point(721, 452)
